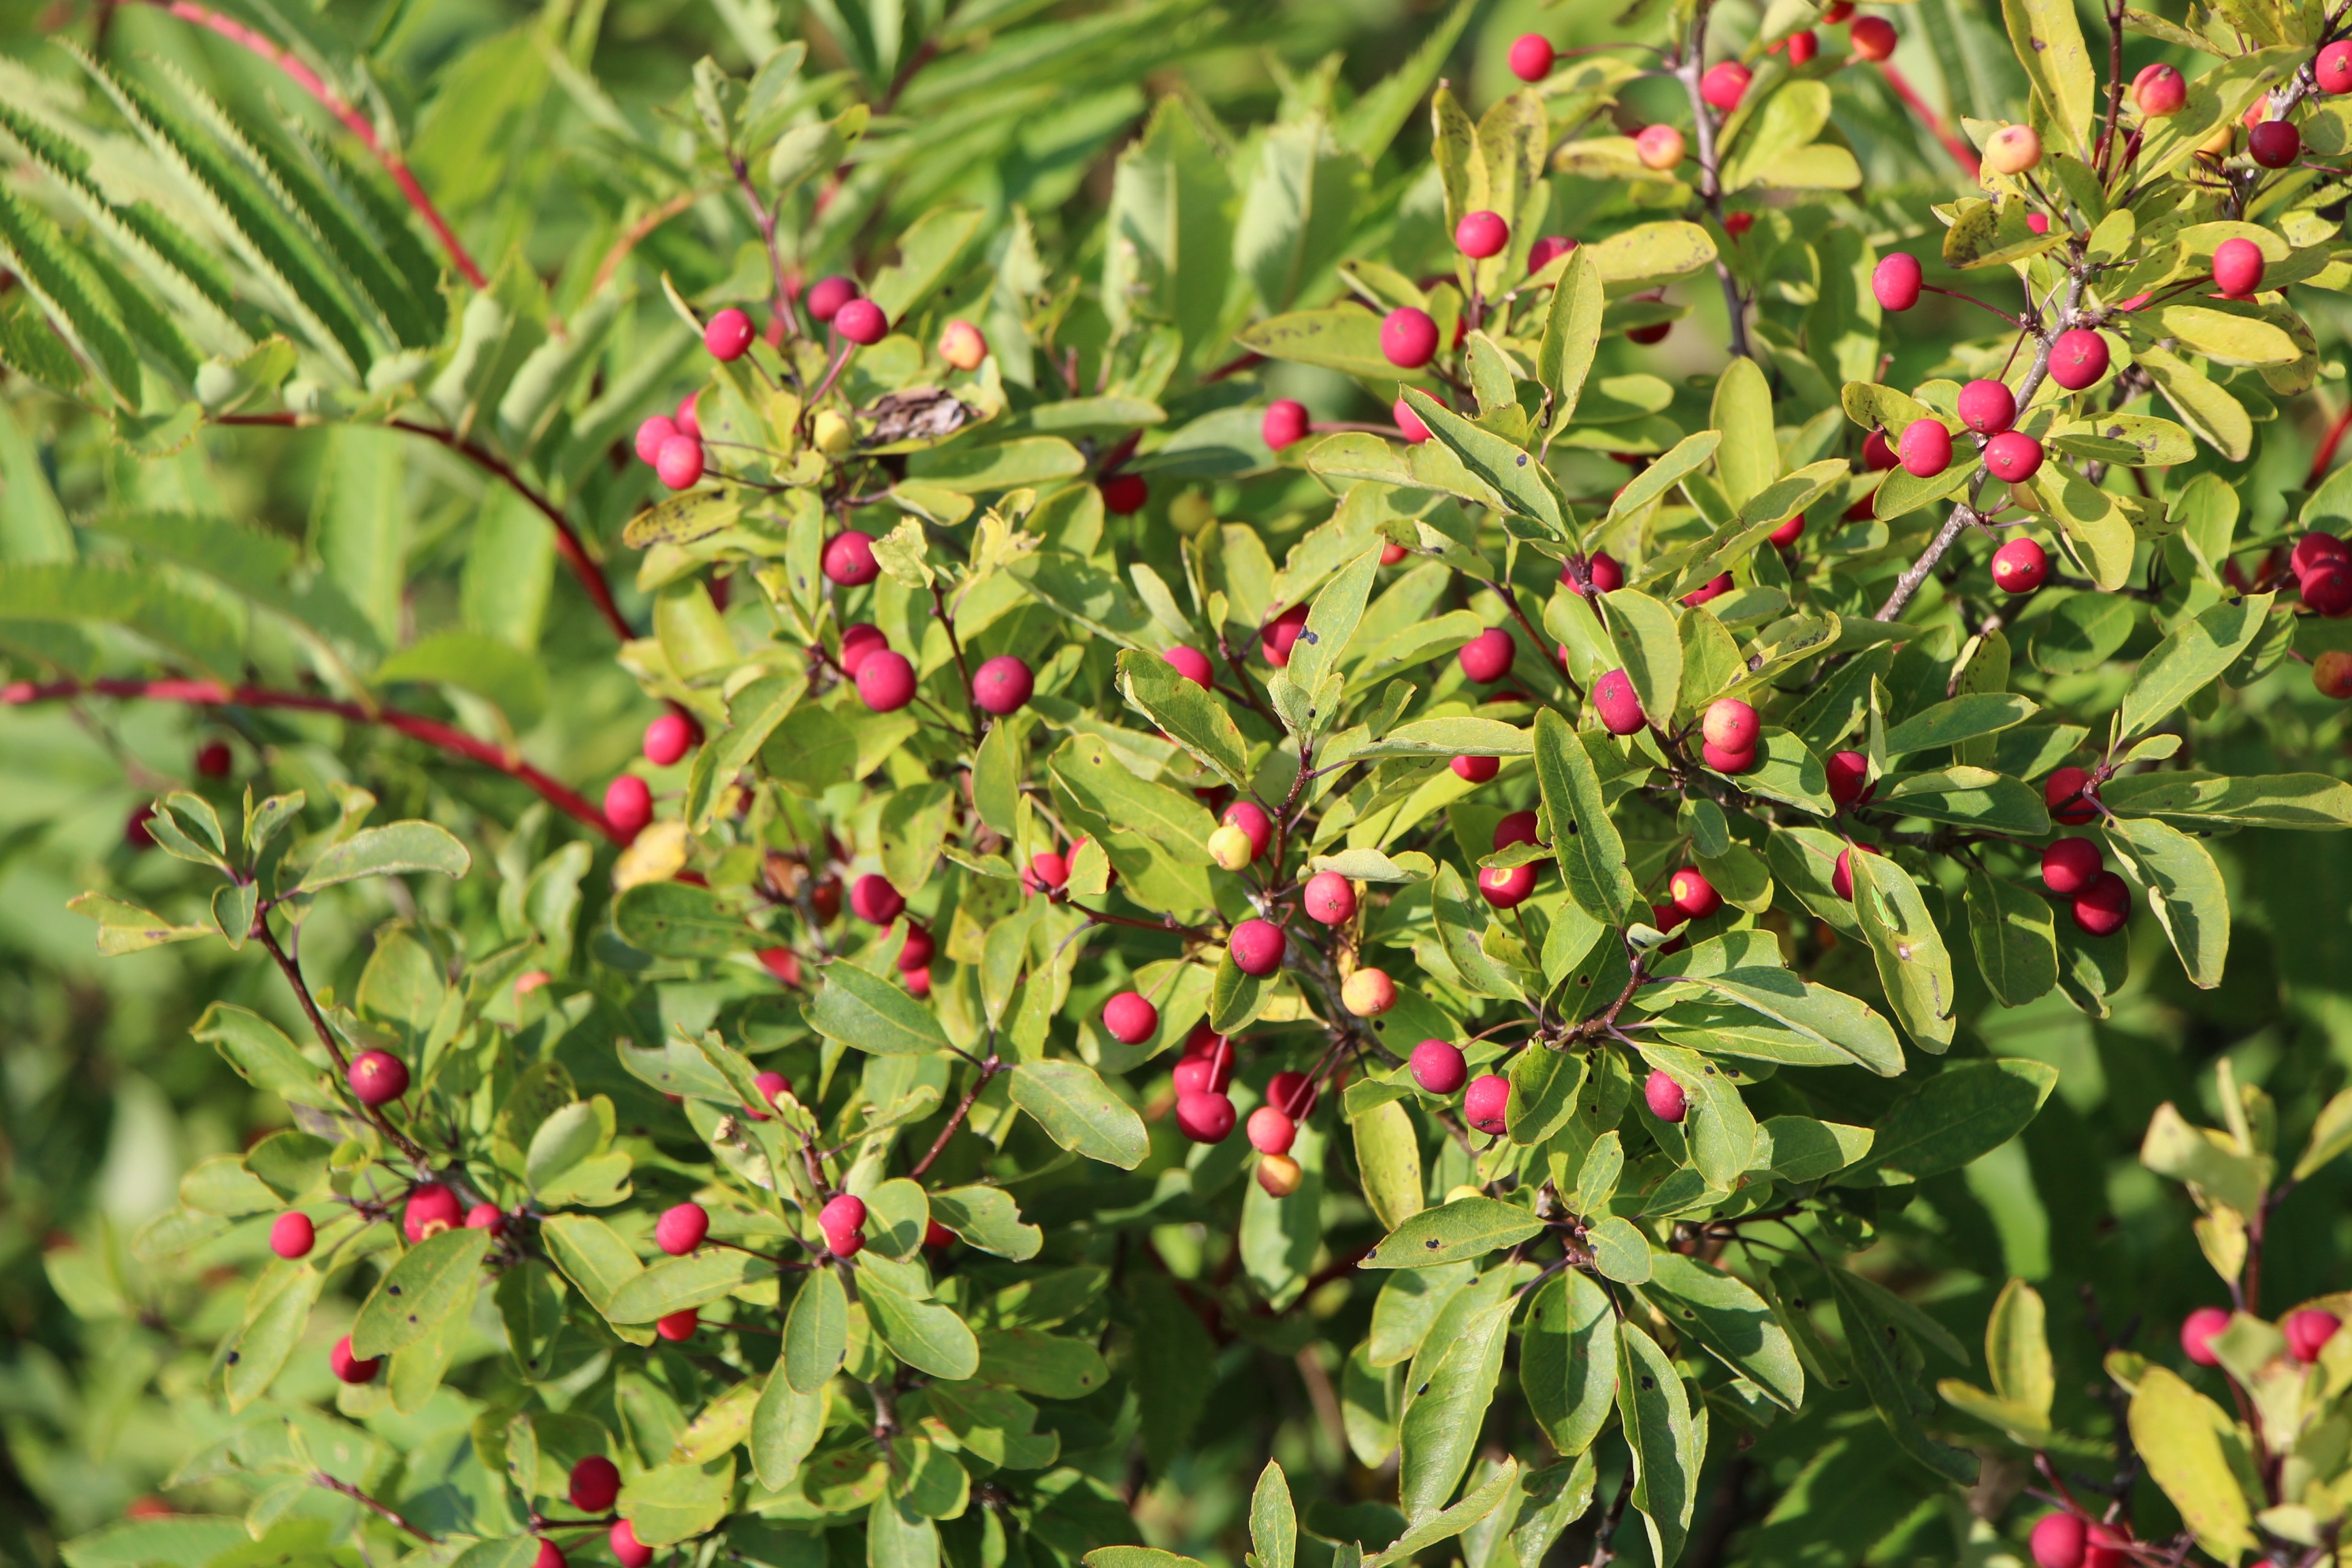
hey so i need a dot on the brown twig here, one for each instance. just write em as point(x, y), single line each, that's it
point(988, 1069)
point(1710, 186)
point(293, 972)
point(321, 1478)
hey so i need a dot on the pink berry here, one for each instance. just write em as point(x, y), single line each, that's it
point(292, 1235)
point(667, 739)
point(1204, 1075)
point(873, 899)
point(2059, 1540)
point(1270, 1132)
point(827, 296)
point(678, 464)
point(2020, 566)
point(1788, 532)
point(1252, 819)
point(1002, 685)
point(1409, 338)
point(1408, 423)
point(963, 345)
point(1726, 761)
point(1659, 147)
point(1531, 57)
point(1988, 406)
point(681, 1229)
point(1925, 447)
point(1258, 947)
point(916, 951)
point(848, 559)
point(1329, 899)
point(348, 1367)
point(596, 1484)
point(728, 335)
point(2077, 360)
point(1693, 893)
point(1506, 887)
point(1047, 871)
point(772, 1086)
point(2197, 1331)
point(550, 1555)
point(1896, 280)
point(857, 642)
point(2326, 589)
point(1614, 701)
point(378, 1078)
point(1878, 454)
point(2013, 457)
point(886, 681)
point(2062, 792)
point(1518, 828)
point(1724, 86)
point(431, 1209)
point(1484, 1104)
point(1131, 1019)
point(2102, 908)
point(1192, 664)
point(1206, 1118)
point(1480, 235)
point(1476, 770)
point(1600, 571)
point(2331, 674)
point(487, 1216)
point(1731, 724)
point(1714, 587)
point(628, 804)
point(2308, 1331)
point(1293, 1094)
point(1284, 423)
point(626, 1547)
point(843, 1221)
point(2069, 863)
point(1547, 249)
point(2237, 267)
point(1664, 1096)
point(1803, 46)
point(2334, 67)
point(1842, 874)
point(688, 426)
point(2160, 90)
point(862, 322)
point(1486, 658)
point(678, 1325)
point(1438, 1067)
point(1276, 639)
point(2274, 143)
point(1849, 774)
point(652, 433)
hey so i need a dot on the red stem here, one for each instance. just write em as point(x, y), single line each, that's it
point(1960, 151)
point(2324, 458)
point(308, 80)
point(432, 731)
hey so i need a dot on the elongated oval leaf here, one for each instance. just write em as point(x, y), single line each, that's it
point(1467, 1227)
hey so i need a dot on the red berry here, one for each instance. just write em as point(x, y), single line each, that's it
point(772, 1086)
point(1788, 532)
point(1896, 280)
point(2102, 908)
point(1531, 57)
point(1664, 1096)
point(1506, 887)
point(1392, 552)
point(1131, 1019)
point(1252, 819)
point(678, 464)
point(626, 1547)
point(667, 739)
point(1519, 827)
point(595, 1483)
point(1329, 899)
point(1258, 947)
point(873, 899)
point(2237, 267)
point(652, 433)
point(1547, 249)
point(2326, 589)
point(431, 1209)
point(1438, 1067)
point(857, 642)
point(349, 1367)
point(2197, 1331)
point(292, 1235)
point(916, 951)
point(628, 804)
point(1293, 1094)
point(1724, 85)
point(2059, 1540)
point(2317, 548)
point(2160, 91)
point(1601, 571)
point(2077, 360)
point(378, 1078)
point(1655, 333)
point(827, 296)
point(1803, 46)
point(1270, 1132)
point(550, 1555)
point(1124, 495)
point(843, 1221)
point(1485, 1103)
point(681, 1229)
point(1276, 639)
point(1046, 870)
point(1478, 236)
point(1925, 447)
point(1714, 587)
point(1486, 658)
point(1409, 423)
point(862, 322)
point(1192, 664)
point(1409, 338)
point(2334, 67)
point(886, 681)
point(938, 1236)
point(1620, 710)
point(2331, 674)
point(1476, 770)
point(688, 426)
point(1726, 762)
point(487, 1216)
point(2069, 863)
point(2063, 792)
point(1285, 423)
point(1873, 37)
point(728, 335)
point(1842, 874)
point(2274, 143)
point(1877, 455)
point(2020, 566)
point(1206, 1118)
point(1849, 774)
point(1731, 725)
point(2013, 457)
point(1693, 894)
point(1988, 406)
point(2308, 1331)
point(1203, 1075)
point(1002, 685)
point(214, 759)
point(678, 1325)
point(848, 559)
point(2109, 1548)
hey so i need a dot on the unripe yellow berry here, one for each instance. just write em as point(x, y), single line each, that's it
point(1191, 513)
point(2013, 150)
point(1229, 847)
point(1279, 1173)
point(831, 433)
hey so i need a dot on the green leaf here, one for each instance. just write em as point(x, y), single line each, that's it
point(2014, 937)
point(1686, 457)
point(276, 1315)
point(1343, 338)
point(785, 1426)
point(2226, 337)
point(264, 1057)
point(1295, 211)
point(1079, 1111)
point(680, 920)
point(2195, 654)
point(2219, 420)
point(1731, 1320)
point(926, 1335)
point(1331, 623)
point(1446, 1397)
point(860, 1008)
point(562, 1142)
point(1446, 738)
point(1649, 253)
point(974, 470)
point(593, 1256)
point(1273, 1522)
point(1667, 1445)
point(1648, 647)
point(1804, 1149)
point(178, 1541)
point(671, 1503)
point(1168, 250)
point(1509, 470)
point(1961, 719)
point(1593, 856)
point(2048, 43)
point(1193, 719)
point(1913, 964)
point(126, 927)
point(1572, 336)
point(927, 248)
point(2191, 799)
point(395, 848)
point(1388, 1162)
point(1971, 796)
point(1048, 1365)
point(1874, 1341)
point(2331, 1134)
point(1136, 1557)
point(1469, 1226)
point(432, 1280)
point(39, 252)
point(988, 1218)
point(2194, 1452)
point(2183, 886)
point(2017, 1350)
point(1749, 457)
point(1970, 1109)
point(816, 1332)
point(1477, 1505)
point(1839, 1023)
point(1567, 1359)
point(1620, 1251)
point(2229, 1178)
point(674, 1284)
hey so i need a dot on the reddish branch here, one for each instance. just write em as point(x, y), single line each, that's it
point(308, 80)
point(567, 542)
point(432, 731)
point(2325, 458)
point(1962, 153)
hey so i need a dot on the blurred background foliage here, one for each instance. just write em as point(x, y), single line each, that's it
point(552, 131)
